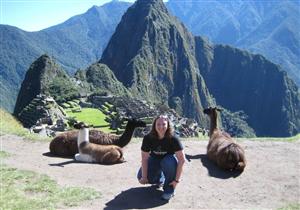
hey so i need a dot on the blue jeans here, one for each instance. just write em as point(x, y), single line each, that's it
point(161, 171)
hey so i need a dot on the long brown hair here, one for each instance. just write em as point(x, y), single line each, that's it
point(169, 132)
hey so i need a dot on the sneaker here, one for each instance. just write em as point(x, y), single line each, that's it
point(159, 186)
point(167, 196)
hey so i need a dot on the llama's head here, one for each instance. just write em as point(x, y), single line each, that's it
point(211, 111)
point(80, 125)
point(83, 134)
point(136, 123)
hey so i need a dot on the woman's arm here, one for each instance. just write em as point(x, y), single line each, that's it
point(145, 157)
point(181, 160)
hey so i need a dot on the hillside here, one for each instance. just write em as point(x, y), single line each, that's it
point(155, 61)
point(242, 81)
point(264, 27)
point(259, 26)
point(46, 77)
point(158, 59)
point(75, 44)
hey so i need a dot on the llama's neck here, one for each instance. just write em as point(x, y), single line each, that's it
point(126, 136)
point(213, 123)
point(83, 136)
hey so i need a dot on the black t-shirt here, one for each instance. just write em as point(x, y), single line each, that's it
point(161, 147)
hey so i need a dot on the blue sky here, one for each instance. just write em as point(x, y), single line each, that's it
point(34, 15)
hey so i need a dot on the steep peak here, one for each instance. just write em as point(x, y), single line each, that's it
point(149, 3)
point(146, 7)
point(44, 56)
point(39, 75)
point(45, 65)
point(43, 59)
point(151, 53)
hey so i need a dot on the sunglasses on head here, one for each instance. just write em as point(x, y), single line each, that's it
point(165, 117)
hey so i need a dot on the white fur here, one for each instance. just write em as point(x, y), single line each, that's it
point(83, 158)
point(83, 136)
point(91, 153)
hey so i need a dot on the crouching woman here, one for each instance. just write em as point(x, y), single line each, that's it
point(162, 157)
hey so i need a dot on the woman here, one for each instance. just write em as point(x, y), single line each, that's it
point(162, 157)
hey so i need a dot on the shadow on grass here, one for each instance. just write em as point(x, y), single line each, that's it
point(137, 198)
point(213, 169)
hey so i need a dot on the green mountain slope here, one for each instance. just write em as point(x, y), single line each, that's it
point(270, 28)
point(74, 44)
point(156, 58)
point(45, 77)
point(150, 53)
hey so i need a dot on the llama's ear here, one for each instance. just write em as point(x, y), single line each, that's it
point(219, 109)
point(78, 125)
point(205, 110)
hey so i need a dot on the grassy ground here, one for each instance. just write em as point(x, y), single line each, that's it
point(22, 189)
point(286, 139)
point(9, 125)
point(289, 139)
point(28, 190)
point(91, 116)
point(291, 207)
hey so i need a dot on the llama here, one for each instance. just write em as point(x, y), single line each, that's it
point(95, 153)
point(222, 149)
point(65, 144)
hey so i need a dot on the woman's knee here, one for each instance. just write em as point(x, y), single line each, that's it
point(169, 163)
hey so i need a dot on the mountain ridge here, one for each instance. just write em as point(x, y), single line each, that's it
point(68, 44)
point(162, 51)
point(281, 47)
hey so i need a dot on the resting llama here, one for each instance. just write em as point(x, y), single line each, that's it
point(65, 144)
point(221, 148)
point(94, 153)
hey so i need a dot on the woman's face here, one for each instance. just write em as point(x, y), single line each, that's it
point(161, 126)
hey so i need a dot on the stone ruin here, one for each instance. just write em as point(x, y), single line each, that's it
point(43, 115)
point(139, 109)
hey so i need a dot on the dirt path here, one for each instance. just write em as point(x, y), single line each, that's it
point(270, 180)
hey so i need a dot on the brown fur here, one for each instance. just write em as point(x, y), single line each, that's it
point(105, 154)
point(221, 148)
point(65, 144)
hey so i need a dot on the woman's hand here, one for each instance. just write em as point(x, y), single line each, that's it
point(174, 184)
point(143, 180)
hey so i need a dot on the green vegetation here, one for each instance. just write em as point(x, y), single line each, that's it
point(283, 139)
point(28, 190)
point(91, 116)
point(9, 125)
point(291, 207)
point(104, 81)
point(62, 89)
point(236, 124)
point(4, 154)
point(289, 139)
point(199, 138)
